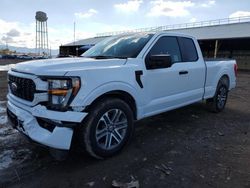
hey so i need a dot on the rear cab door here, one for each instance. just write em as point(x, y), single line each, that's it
point(180, 84)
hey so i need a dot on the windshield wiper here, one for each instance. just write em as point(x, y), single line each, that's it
point(106, 57)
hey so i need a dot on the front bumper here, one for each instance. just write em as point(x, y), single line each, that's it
point(24, 119)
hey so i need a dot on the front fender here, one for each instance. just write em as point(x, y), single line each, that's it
point(105, 88)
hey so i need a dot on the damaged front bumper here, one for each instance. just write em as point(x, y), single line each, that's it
point(31, 121)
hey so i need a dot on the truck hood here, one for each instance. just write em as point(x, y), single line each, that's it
point(60, 66)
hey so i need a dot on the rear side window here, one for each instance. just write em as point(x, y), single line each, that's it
point(167, 45)
point(188, 49)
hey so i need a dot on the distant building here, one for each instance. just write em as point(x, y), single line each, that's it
point(224, 38)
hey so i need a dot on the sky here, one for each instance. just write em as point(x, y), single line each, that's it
point(17, 17)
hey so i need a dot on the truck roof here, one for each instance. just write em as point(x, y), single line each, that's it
point(158, 33)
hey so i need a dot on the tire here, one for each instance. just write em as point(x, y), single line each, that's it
point(218, 102)
point(107, 129)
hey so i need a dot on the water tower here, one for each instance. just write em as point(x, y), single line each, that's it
point(42, 46)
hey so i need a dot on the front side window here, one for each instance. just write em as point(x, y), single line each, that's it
point(167, 46)
point(128, 46)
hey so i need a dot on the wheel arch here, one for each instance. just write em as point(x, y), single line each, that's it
point(226, 78)
point(120, 94)
point(223, 75)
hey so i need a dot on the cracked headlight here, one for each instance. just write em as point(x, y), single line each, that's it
point(62, 91)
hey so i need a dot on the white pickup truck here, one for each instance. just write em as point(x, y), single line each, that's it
point(122, 79)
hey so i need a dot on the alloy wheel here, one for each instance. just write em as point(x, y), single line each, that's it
point(111, 129)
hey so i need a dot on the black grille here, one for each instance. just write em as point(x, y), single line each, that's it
point(22, 87)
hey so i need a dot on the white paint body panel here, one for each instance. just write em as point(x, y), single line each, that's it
point(215, 69)
point(163, 89)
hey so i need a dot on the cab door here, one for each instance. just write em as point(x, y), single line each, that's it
point(175, 86)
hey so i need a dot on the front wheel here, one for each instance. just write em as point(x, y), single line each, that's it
point(218, 102)
point(107, 129)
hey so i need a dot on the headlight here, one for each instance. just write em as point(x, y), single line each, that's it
point(62, 91)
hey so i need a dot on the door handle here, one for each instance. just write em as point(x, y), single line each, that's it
point(183, 72)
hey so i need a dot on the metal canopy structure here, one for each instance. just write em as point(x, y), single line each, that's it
point(194, 28)
point(236, 30)
point(79, 47)
point(222, 38)
point(88, 41)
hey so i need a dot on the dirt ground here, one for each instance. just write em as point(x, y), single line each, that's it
point(9, 61)
point(188, 147)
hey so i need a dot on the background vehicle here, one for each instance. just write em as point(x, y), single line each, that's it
point(120, 80)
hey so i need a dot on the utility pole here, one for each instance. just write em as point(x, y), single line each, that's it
point(74, 32)
point(7, 47)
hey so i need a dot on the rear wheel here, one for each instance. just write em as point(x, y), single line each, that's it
point(107, 129)
point(218, 102)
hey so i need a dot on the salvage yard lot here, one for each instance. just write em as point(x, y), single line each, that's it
point(188, 147)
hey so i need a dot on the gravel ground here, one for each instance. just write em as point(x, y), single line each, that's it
point(188, 147)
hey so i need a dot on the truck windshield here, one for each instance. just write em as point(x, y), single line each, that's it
point(128, 46)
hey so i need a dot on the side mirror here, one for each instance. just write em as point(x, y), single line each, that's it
point(158, 61)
